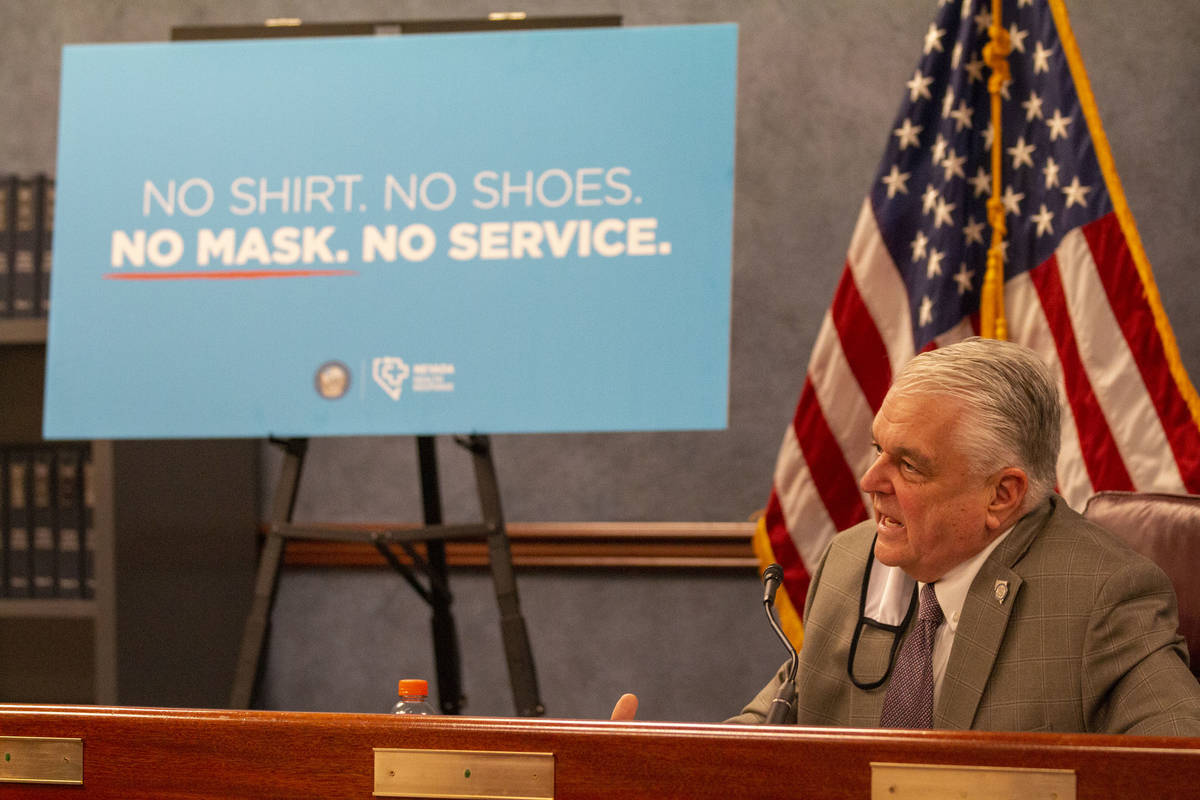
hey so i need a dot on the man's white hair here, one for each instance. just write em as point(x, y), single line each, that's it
point(1012, 413)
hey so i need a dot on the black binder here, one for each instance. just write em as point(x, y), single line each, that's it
point(42, 524)
point(44, 233)
point(19, 489)
point(8, 212)
point(71, 522)
point(24, 281)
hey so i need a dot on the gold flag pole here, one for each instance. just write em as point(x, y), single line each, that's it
point(991, 304)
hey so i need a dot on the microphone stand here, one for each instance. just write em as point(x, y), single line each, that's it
point(785, 698)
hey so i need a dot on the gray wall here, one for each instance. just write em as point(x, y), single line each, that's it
point(693, 647)
point(819, 82)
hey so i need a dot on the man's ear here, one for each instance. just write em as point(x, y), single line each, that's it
point(1008, 496)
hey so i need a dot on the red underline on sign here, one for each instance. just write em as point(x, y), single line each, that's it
point(227, 276)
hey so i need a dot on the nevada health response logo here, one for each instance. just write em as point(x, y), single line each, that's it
point(390, 373)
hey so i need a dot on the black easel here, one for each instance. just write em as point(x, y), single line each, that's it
point(522, 675)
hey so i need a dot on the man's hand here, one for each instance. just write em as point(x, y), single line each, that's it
point(625, 709)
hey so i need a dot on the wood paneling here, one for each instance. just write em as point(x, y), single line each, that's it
point(707, 545)
point(139, 754)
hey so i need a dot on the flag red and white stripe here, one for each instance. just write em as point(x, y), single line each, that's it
point(1079, 291)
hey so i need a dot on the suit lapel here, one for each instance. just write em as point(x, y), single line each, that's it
point(982, 623)
point(981, 627)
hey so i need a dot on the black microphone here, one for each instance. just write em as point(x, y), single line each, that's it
point(781, 706)
point(772, 576)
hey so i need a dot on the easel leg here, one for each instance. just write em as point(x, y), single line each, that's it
point(521, 671)
point(445, 635)
point(258, 622)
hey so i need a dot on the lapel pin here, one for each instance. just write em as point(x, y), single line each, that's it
point(1001, 590)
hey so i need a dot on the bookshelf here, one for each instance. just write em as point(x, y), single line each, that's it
point(55, 650)
point(174, 530)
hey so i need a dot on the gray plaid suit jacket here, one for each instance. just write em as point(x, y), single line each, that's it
point(1085, 641)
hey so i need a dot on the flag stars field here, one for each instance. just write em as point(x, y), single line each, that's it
point(1012, 201)
point(896, 181)
point(935, 263)
point(963, 278)
point(1043, 219)
point(1050, 171)
point(1033, 107)
point(918, 246)
point(918, 87)
point(1041, 58)
point(1058, 125)
point(933, 39)
point(982, 182)
point(973, 231)
point(1075, 193)
point(1022, 153)
point(1017, 38)
point(909, 134)
point(953, 166)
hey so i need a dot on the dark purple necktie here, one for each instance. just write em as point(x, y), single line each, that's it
point(909, 699)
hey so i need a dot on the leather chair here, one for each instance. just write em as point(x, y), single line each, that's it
point(1166, 529)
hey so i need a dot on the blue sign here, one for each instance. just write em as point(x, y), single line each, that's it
point(501, 232)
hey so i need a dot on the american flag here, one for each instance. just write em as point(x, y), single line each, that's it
point(1078, 289)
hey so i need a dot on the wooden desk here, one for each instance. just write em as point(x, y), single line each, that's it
point(132, 753)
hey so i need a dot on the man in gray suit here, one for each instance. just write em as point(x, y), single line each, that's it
point(1041, 620)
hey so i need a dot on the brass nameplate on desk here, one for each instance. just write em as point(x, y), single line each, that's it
point(33, 759)
point(937, 781)
point(467, 774)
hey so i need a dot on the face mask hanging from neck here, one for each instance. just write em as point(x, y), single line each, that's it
point(885, 606)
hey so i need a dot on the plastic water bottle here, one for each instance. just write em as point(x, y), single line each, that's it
point(414, 698)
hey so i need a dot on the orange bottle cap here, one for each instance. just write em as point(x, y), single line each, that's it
point(410, 687)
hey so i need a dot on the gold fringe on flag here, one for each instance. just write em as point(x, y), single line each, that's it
point(789, 615)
